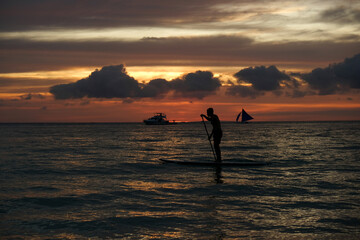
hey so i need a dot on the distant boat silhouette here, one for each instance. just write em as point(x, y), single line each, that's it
point(158, 119)
point(244, 117)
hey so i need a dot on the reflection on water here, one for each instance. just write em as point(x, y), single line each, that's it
point(79, 181)
point(218, 176)
point(153, 186)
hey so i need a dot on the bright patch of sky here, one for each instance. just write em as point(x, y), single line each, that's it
point(277, 21)
point(109, 34)
point(46, 75)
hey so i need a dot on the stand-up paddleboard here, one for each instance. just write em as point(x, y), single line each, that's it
point(219, 164)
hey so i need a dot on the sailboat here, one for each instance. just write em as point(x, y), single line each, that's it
point(244, 117)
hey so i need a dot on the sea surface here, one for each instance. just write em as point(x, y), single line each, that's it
point(105, 181)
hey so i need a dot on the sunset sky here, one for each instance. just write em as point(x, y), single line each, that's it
point(122, 61)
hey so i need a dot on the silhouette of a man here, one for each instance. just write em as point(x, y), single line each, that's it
point(216, 131)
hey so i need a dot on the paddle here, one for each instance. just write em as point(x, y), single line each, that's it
point(207, 133)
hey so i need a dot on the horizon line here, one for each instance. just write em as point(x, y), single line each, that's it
point(275, 121)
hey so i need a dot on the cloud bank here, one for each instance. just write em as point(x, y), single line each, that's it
point(336, 78)
point(114, 82)
point(216, 50)
point(262, 78)
point(37, 14)
point(252, 82)
point(256, 81)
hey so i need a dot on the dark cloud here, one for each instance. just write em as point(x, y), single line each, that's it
point(336, 77)
point(195, 85)
point(350, 37)
point(323, 80)
point(262, 78)
point(341, 15)
point(39, 14)
point(21, 55)
point(31, 55)
point(109, 82)
point(348, 72)
point(155, 88)
point(114, 82)
point(18, 15)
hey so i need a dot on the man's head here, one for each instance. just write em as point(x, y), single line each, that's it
point(210, 111)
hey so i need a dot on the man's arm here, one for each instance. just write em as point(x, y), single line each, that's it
point(207, 118)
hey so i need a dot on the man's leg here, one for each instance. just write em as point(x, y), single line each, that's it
point(217, 150)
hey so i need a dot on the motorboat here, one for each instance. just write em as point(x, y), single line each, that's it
point(157, 119)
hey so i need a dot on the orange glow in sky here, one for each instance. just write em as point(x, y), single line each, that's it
point(281, 61)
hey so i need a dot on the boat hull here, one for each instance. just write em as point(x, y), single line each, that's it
point(147, 122)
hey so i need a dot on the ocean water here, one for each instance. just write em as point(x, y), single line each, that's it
point(105, 181)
